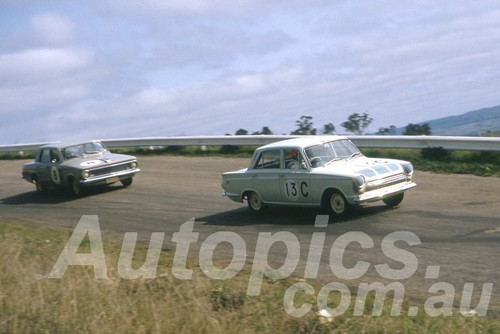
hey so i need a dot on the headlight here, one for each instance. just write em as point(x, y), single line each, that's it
point(133, 165)
point(359, 184)
point(85, 174)
point(408, 169)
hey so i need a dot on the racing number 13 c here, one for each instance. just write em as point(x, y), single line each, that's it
point(291, 189)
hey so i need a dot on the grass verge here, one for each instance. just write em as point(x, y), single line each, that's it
point(79, 303)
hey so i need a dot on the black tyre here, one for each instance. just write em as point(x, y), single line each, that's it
point(74, 186)
point(255, 203)
point(40, 187)
point(126, 182)
point(394, 200)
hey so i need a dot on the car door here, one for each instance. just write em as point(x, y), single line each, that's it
point(266, 175)
point(47, 166)
point(43, 166)
point(295, 178)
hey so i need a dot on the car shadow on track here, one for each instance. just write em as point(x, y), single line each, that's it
point(287, 216)
point(55, 196)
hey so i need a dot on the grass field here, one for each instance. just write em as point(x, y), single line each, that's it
point(79, 303)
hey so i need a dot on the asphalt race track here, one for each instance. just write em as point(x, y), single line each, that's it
point(456, 219)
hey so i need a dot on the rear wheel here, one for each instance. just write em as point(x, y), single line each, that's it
point(394, 200)
point(40, 187)
point(255, 203)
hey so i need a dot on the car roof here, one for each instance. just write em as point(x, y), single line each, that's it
point(60, 145)
point(301, 142)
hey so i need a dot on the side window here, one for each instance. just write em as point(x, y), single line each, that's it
point(293, 159)
point(54, 156)
point(49, 156)
point(269, 160)
point(45, 156)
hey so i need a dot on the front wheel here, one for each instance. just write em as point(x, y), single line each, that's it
point(394, 200)
point(126, 182)
point(336, 204)
point(255, 203)
point(74, 186)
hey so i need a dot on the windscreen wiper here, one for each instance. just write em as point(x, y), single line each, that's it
point(353, 155)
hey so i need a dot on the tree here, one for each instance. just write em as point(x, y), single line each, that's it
point(241, 132)
point(417, 129)
point(304, 126)
point(265, 131)
point(387, 131)
point(357, 123)
point(328, 129)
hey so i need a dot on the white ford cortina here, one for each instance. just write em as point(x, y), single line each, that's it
point(317, 171)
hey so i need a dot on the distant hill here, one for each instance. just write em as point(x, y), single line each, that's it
point(480, 122)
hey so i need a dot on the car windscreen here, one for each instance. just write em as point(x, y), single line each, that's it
point(324, 153)
point(79, 150)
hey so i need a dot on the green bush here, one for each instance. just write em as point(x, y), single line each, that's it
point(435, 153)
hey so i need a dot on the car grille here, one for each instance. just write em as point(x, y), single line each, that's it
point(386, 181)
point(109, 170)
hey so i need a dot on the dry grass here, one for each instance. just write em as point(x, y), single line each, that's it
point(79, 303)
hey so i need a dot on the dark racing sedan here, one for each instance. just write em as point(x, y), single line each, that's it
point(73, 166)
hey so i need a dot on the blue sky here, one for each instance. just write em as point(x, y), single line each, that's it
point(72, 70)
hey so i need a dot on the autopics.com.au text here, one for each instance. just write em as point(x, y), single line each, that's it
point(439, 303)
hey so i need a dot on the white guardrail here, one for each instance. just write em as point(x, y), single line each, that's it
point(446, 142)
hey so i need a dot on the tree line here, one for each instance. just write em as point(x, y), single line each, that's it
point(356, 124)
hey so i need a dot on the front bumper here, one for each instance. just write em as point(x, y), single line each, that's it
point(110, 177)
point(381, 193)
